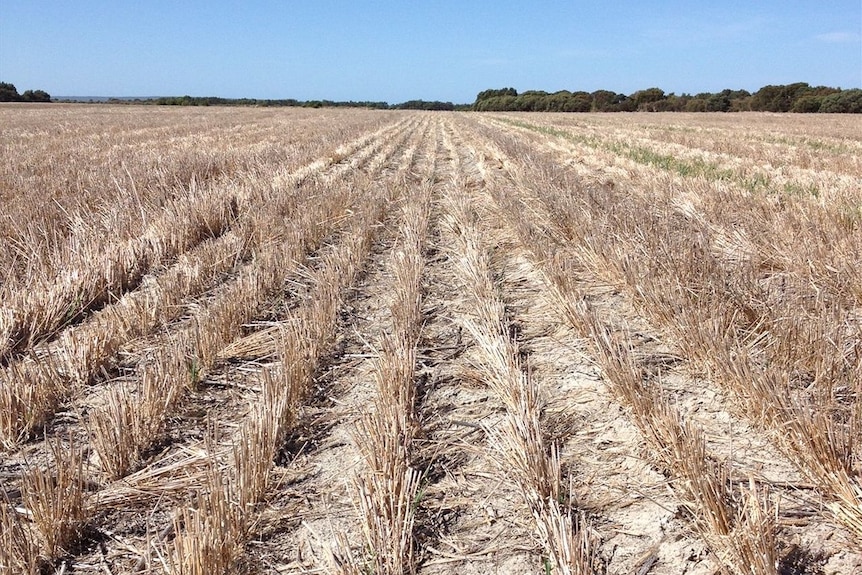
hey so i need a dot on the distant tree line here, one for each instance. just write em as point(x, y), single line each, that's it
point(289, 102)
point(425, 105)
point(211, 101)
point(799, 97)
point(9, 93)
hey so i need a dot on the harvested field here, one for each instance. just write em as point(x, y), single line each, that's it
point(270, 341)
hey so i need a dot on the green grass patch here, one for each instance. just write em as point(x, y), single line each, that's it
point(758, 183)
point(795, 189)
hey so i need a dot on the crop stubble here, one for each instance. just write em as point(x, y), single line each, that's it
point(297, 341)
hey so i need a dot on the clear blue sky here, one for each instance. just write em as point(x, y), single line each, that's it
point(443, 50)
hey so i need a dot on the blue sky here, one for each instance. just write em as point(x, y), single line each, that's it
point(442, 50)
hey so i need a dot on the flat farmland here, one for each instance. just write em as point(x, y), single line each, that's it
point(270, 341)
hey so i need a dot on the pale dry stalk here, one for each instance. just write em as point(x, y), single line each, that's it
point(94, 275)
point(19, 543)
point(519, 442)
point(54, 498)
point(225, 514)
point(388, 487)
point(740, 529)
point(184, 359)
point(28, 398)
point(731, 307)
point(117, 434)
point(81, 354)
point(208, 535)
point(741, 533)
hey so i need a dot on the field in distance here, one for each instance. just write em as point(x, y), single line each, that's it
point(240, 340)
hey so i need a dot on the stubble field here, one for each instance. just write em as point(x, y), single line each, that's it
point(343, 341)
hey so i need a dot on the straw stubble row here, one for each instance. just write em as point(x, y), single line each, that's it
point(751, 327)
point(31, 390)
point(739, 527)
point(757, 293)
point(123, 428)
point(520, 442)
point(295, 226)
point(211, 535)
point(66, 277)
point(387, 488)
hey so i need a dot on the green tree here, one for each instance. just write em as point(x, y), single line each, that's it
point(696, 104)
point(35, 96)
point(779, 98)
point(807, 104)
point(741, 104)
point(9, 93)
point(719, 102)
point(643, 98)
point(799, 97)
point(579, 102)
point(844, 102)
point(671, 103)
point(558, 100)
point(488, 94)
point(607, 101)
point(426, 105)
point(496, 104)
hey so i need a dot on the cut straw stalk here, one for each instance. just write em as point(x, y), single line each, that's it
point(521, 446)
point(19, 543)
point(520, 442)
point(83, 353)
point(209, 535)
point(388, 487)
point(54, 504)
point(226, 519)
point(28, 398)
point(821, 447)
point(698, 316)
point(96, 276)
point(165, 377)
point(104, 203)
point(808, 430)
point(739, 528)
point(155, 220)
point(740, 531)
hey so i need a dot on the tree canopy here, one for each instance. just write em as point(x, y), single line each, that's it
point(213, 101)
point(9, 93)
point(798, 97)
